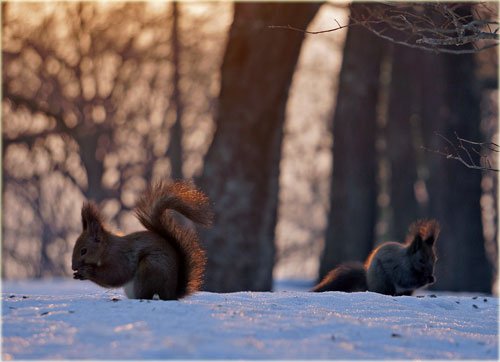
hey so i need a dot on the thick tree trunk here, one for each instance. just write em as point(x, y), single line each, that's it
point(455, 190)
point(350, 230)
point(403, 121)
point(241, 171)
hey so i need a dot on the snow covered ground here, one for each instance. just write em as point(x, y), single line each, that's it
point(66, 319)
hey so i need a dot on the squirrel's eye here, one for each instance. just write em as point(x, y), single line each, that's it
point(83, 251)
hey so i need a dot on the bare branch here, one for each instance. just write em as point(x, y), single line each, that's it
point(465, 147)
point(289, 27)
point(458, 41)
point(428, 26)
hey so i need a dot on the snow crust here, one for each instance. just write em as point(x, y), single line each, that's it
point(66, 319)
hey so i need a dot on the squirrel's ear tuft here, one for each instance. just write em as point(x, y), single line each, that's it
point(423, 232)
point(429, 231)
point(91, 219)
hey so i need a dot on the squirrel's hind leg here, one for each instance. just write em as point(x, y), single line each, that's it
point(153, 277)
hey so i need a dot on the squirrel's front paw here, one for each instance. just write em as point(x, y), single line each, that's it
point(83, 272)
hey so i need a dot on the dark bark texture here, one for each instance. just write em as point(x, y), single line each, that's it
point(241, 171)
point(175, 150)
point(350, 230)
point(403, 122)
point(438, 93)
point(455, 190)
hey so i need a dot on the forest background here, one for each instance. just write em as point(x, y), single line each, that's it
point(313, 148)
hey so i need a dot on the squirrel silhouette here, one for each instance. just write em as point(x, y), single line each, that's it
point(392, 268)
point(164, 261)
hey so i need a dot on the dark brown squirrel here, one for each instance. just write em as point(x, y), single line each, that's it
point(392, 268)
point(165, 261)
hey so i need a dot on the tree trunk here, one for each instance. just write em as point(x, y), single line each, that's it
point(351, 223)
point(88, 141)
point(403, 121)
point(455, 190)
point(241, 171)
point(174, 152)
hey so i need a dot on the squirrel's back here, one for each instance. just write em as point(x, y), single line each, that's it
point(384, 265)
point(183, 197)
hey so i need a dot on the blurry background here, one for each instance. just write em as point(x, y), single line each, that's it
point(313, 148)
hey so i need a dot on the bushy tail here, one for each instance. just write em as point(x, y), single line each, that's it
point(347, 277)
point(183, 197)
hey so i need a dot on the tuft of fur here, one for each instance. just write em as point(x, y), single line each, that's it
point(392, 268)
point(182, 197)
point(91, 216)
point(347, 277)
point(423, 230)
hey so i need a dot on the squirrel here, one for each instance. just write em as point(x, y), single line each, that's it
point(165, 261)
point(392, 268)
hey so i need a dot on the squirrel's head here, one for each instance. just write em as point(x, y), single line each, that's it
point(421, 248)
point(90, 244)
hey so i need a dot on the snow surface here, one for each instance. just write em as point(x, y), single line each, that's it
point(66, 319)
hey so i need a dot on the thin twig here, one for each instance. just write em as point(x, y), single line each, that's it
point(435, 29)
point(289, 27)
point(461, 148)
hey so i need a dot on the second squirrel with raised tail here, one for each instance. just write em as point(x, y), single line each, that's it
point(165, 260)
point(392, 268)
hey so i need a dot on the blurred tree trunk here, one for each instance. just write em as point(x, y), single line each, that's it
point(438, 93)
point(353, 195)
point(174, 152)
point(88, 143)
point(241, 171)
point(455, 191)
point(403, 121)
